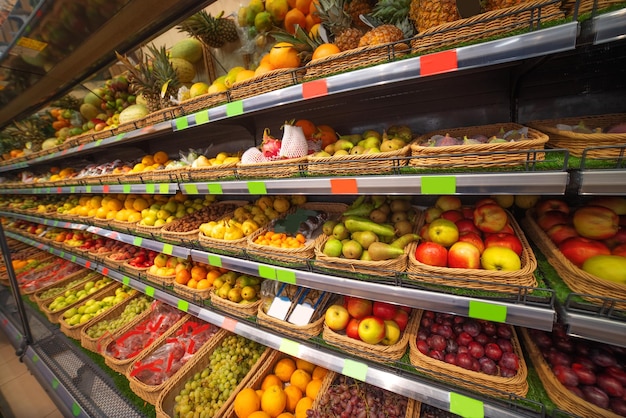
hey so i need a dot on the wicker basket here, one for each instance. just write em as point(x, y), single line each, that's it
point(362, 164)
point(163, 281)
point(240, 310)
point(73, 331)
point(94, 344)
point(197, 295)
point(133, 269)
point(291, 167)
point(353, 59)
point(232, 247)
point(480, 279)
point(270, 81)
point(575, 278)
point(55, 316)
point(293, 256)
point(476, 381)
point(167, 175)
point(487, 25)
point(148, 231)
point(165, 403)
point(576, 143)
point(214, 172)
point(557, 392)
point(82, 275)
point(122, 365)
point(375, 352)
point(108, 261)
point(586, 6)
point(123, 226)
point(479, 155)
point(202, 102)
point(151, 393)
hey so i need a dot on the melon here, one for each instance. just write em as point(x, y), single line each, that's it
point(49, 143)
point(185, 70)
point(94, 98)
point(133, 112)
point(89, 111)
point(189, 49)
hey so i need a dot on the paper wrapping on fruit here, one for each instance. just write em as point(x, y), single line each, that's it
point(302, 221)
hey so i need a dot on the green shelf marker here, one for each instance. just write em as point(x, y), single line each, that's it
point(76, 409)
point(191, 188)
point(126, 188)
point(202, 117)
point(54, 383)
point(215, 188)
point(150, 188)
point(35, 358)
point(286, 276)
point(181, 123)
point(98, 142)
point(289, 347)
point(257, 187)
point(48, 191)
point(183, 305)
point(55, 223)
point(73, 259)
point(72, 189)
point(438, 184)
point(167, 249)
point(466, 407)
point(487, 310)
point(267, 272)
point(87, 189)
point(119, 137)
point(164, 188)
point(215, 260)
point(355, 369)
point(150, 291)
point(234, 108)
point(137, 241)
point(126, 280)
point(62, 254)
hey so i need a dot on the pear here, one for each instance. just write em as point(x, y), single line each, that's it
point(333, 248)
point(340, 232)
point(398, 216)
point(371, 133)
point(378, 216)
point(380, 251)
point(357, 150)
point(391, 145)
point(365, 238)
point(370, 142)
point(403, 227)
point(399, 205)
point(328, 227)
point(343, 144)
point(352, 250)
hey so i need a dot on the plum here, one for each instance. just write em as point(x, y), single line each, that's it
point(476, 349)
point(564, 344)
point(617, 373)
point(576, 391)
point(423, 333)
point(488, 366)
point(445, 331)
point(482, 339)
point(541, 339)
point(423, 347)
point(436, 342)
point(504, 372)
point(450, 358)
point(610, 385)
point(565, 375)
point(509, 361)
point(471, 327)
point(504, 331)
point(585, 376)
point(493, 351)
point(452, 346)
point(618, 406)
point(464, 338)
point(596, 396)
point(464, 360)
point(436, 354)
point(556, 357)
point(602, 358)
point(505, 345)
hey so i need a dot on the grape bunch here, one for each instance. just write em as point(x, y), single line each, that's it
point(207, 390)
point(134, 308)
point(57, 290)
point(348, 398)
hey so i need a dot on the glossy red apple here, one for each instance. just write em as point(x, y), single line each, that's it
point(490, 217)
point(401, 317)
point(423, 233)
point(448, 202)
point(578, 249)
point(486, 201)
point(384, 310)
point(561, 232)
point(619, 250)
point(617, 239)
point(359, 308)
point(432, 254)
point(463, 255)
point(548, 219)
point(453, 215)
point(468, 212)
point(352, 329)
point(595, 222)
point(504, 240)
point(546, 205)
point(473, 238)
point(466, 225)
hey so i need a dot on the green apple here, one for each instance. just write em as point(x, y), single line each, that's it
point(500, 258)
point(443, 232)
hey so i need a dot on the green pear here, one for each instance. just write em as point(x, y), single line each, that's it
point(365, 238)
point(371, 133)
point(343, 144)
point(328, 227)
point(357, 150)
point(340, 231)
point(352, 250)
point(380, 251)
point(370, 142)
point(333, 247)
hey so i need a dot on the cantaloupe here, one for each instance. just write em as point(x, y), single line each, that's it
point(133, 112)
point(94, 97)
point(89, 111)
point(189, 49)
point(185, 69)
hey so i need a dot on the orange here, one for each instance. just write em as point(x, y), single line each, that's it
point(293, 18)
point(325, 50)
point(310, 21)
point(259, 392)
point(303, 405)
point(212, 275)
point(300, 379)
point(259, 414)
point(270, 380)
point(319, 373)
point(147, 160)
point(274, 400)
point(284, 55)
point(160, 157)
point(308, 127)
point(182, 276)
point(284, 369)
point(263, 68)
point(198, 273)
point(246, 402)
point(293, 397)
point(307, 366)
point(313, 388)
point(203, 284)
point(313, 8)
point(304, 6)
point(286, 415)
point(326, 134)
point(192, 283)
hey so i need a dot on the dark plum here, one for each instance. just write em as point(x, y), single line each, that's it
point(509, 361)
point(617, 373)
point(585, 375)
point(436, 354)
point(610, 385)
point(541, 339)
point(596, 396)
point(565, 375)
point(564, 344)
point(476, 350)
point(504, 331)
point(450, 358)
point(493, 351)
point(462, 349)
point(423, 347)
point(488, 366)
point(464, 360)
point(451, 346)
point(445, 331)
point(576, 391)
point(504, 372)
point(423, 333)
point(436, 342)
point(471, 327)
point(505, 345)
point(602, 358)
point(464, 338)
point(556, 357)
point(618, 406)
point(482, 339)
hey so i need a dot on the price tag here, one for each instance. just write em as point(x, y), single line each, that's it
point(59, 189)
point(30, 43)
point(344, 186)
point(202, 117)
point(72, 189)
point(150, 291)
point(354, 369)
point(289, 347)
point(137, 241)
point(487, 311)
point(190, 188)
point(164, 188)
point(316, 88)
point(76, 409)
point(73, 259)
point(126, 188)
point(183, 305)
point(214, 260)
point(87, 189)
point(234, 108)
point(286, 276)
point(439, 62)
point(62, 254)
point(181, 123)
point(150, 188)
point(257, 187)
point(465, 406)
point(126, 280)
point(106, 188)
point(105, 271)
point(88, 264)
point(279, 308)
point(54, 383)
point(229, 324)
point(438, 185)
point(267, 272)
point(167, 249)
point(215, 188)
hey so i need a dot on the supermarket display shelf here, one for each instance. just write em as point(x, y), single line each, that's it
point(396, 380)
point(602, 182)
point(609, 27)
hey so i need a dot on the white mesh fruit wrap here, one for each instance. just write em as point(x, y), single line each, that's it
point(294, 144)
point(252, 156)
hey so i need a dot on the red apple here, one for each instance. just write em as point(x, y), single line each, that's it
point(619, 250)
point(500, 258)
point(468, 212)
point(617, 239)
point(595, 222)
point(473, 238)
point(352, 329)
point(432, 213)
point(546, 205)
point(490, 217)
point(384, 310)
point(578, 249)
point(336, 317)
point(561, 232)
point(463, 255)
point(448, 202)
point(443, 232)
point(372, 330)
point(424, 233)
point(452, 215)
point(466, 225)
point(486, 201)
point(432, 254)
point(616, 204)
point(359, 308)
point(401, 318)
point(504, 240)
point(548, 219)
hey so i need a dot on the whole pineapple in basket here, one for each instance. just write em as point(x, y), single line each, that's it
point(502, 4)
point(334, 16)
point(382, 34)
point(214, 32)
point(28, 133)
point(426, 14)
point(355, 8)
point(395, 12)
point(155, 78)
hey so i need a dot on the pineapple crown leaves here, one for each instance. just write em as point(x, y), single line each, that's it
point(301, 41)
point(392, 11)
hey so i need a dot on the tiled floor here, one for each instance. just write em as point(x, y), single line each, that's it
point(21, 396)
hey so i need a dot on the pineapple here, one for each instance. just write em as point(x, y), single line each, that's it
point(28, 133)
point(395, 12)
point(502, 4)
point(426, 14)
point(348, 39)
point(212, 31)
point(334, 16)
point(355, 8)
point(382, 34)
point(154, 78)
